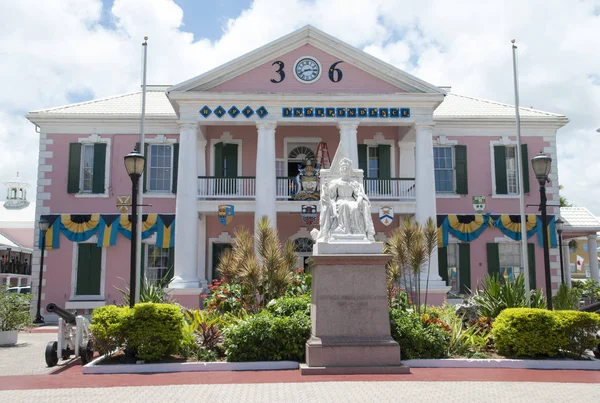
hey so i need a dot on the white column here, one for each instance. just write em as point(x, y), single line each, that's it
point(407, 159)
point(425, 200)
point(593, 256)
point(266, 180)
point(202, 250)
point(566, 262)
point(201, 158)
point(186, 210)
point(348, 139)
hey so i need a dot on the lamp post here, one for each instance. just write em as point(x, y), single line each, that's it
point(43, 226)
point(134, 163)
point(541, 166)
point(559, 228)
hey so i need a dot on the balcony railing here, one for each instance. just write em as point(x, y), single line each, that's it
point(210, 187)
point(244, 188)
point(15, 268)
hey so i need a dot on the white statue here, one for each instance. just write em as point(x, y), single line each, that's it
point(345, 207)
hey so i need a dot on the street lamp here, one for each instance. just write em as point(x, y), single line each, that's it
point(134, 164)
point(541, 167)
point(43, 226)
point(559, 228)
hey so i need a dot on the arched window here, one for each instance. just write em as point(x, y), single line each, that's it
point(301, 153)
point(303, 245)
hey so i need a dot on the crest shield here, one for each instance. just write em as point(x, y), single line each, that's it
point(479, 204)
point(309, 214)
point(226, 213)
point(386, 215)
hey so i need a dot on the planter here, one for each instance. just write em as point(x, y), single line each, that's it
point(9, 338)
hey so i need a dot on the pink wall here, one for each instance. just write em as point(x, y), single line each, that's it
point(480, 180)
point(120, 184)
point(354, 79)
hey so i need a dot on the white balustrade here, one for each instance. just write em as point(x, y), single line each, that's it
point(232, 188)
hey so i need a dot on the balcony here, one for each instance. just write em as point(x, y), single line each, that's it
point(210, 187)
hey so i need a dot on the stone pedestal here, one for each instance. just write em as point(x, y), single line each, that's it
point(350, 319)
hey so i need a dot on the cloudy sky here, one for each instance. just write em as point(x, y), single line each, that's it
point(55, 52)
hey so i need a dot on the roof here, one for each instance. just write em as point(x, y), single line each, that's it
point(579, 219)
point(129, 104)
point(157, 104)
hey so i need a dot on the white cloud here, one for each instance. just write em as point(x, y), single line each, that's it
point(53, 49)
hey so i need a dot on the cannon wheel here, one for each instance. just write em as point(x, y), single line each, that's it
point(86, 353)
point(52, 353)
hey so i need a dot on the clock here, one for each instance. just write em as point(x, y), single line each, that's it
point(307, 69)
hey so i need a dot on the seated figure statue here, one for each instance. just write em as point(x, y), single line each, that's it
point(345, 208)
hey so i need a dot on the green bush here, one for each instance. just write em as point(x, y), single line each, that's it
point(579, 328)
point(14, 310)
point(566, 299)
point(415, 339)
point(287, 306)
point(109, 327)
point(497, 294)
point(265, 337)
point(153, 331)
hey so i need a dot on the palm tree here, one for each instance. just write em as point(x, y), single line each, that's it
point(430, 238)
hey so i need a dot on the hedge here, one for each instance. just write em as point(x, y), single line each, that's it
point(415, 339)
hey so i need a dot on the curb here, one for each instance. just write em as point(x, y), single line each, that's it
point(94, 368)
point(590, 365)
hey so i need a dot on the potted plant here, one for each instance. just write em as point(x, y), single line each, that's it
point(14, 315)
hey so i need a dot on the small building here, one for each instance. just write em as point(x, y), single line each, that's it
point(17, 218)
point(582, 227)
point(247, 139)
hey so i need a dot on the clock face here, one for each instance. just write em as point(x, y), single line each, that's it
point(307, 70)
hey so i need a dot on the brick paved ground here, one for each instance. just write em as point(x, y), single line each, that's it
point(27, 357)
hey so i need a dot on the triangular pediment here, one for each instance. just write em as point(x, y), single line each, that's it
point(253, 72)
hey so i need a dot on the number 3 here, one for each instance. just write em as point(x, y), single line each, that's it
point(332, 70)
point(279, 71)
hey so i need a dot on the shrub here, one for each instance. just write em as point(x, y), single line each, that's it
point(14, 310)
point(205, 328)
point(300, 284)
point(154, 331)
point(226, 297)
point(417, 340)
point(566, 299)
point(108, 327)
point(497, 294)
point(265, 337)
point(579, 329)
point(287, 306)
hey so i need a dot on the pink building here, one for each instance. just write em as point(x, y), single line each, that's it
point(248, 135)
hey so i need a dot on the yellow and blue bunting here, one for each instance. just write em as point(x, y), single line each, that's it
point(465, 227)
point(510, 225)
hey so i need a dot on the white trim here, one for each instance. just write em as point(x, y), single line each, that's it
point(442, 142)
point(313, 58)
point(159, 139)
point(94, 139)
point(225, 138)
point(300, 140)
point(74, 296)
point(224, 238)
point(84, 304)
point(504, 141)
point(379, 139)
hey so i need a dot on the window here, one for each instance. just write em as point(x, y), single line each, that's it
point(160, 167)
point(453, 281)
point(303, 248)
point(511, 170)
point(373, 163)
point(506, 169)
point(157, 263)
point(510, 260)
point(585, 247)
point(443, 163)
point(86, 169)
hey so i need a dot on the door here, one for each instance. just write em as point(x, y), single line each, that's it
point(217, 250)
point(89, 269)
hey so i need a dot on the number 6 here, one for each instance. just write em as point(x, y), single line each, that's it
point(333, 69)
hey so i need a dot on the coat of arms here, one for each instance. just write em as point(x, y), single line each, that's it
point(225, 213)
point(479, 204)
point(309, 214)
point(307, 182)
point(386, 215)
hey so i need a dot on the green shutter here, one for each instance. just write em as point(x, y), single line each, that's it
point(525, 160)
point(385, 159)
point(99, 168)
point(219, 160)
point(230, 155)
point(89, 269)
point(493, 259)
point(74, 168)
point(531, 260)
point(443, 263)
point(460, 156)
point(362, 159)
point(175, 167)
point(500, 170)
point(464, 267)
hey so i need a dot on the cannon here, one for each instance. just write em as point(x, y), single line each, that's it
point(73, 337)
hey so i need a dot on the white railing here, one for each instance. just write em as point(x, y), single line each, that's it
point(386, 189)
point(286, 187)
point(243, 187)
